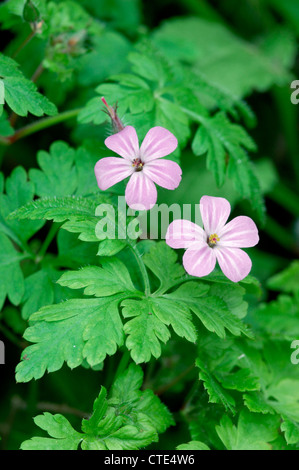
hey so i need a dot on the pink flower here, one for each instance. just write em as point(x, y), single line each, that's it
point(217, 241)
point(144, 165)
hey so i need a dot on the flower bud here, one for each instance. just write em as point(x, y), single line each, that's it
point(117, 125)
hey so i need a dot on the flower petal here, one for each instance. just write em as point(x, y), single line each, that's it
point(125, 143)
point(240, 232)
point(165, 173)
point(111, 170)
point(183, 233)
point(157, 143)
point(235, 263)
point(141, 192)
point(214, 213)
point(199, 260)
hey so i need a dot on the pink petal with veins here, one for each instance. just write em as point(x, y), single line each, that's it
point(240, 232)
point(125, 143)
point(234, 263)
point(157, 143)
point(111, 170)
point(199, 260)
point(165, 173)
point(183, 233)
point(141, 192)
point(214, 213)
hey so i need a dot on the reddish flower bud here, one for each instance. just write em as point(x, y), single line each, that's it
point(117, 125)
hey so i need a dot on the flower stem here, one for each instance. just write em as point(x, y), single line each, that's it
point(37, 73)
point(51, 235)
point(138, 258)
point(24, 43)
point(40, 125)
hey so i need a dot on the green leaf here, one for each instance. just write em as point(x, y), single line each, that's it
point(111, 49)
point(21, 94)
point(171, 116)
point(253, 431)
point(291, 431)
point(19, 192)
point(145, 402)
point(229, 62)
point(58, 176)
point(205, 142)
point(193, 445)
point(145, 330)
point(128, 420)
point(64, 437)
point(85, 162)
point(38, 293)
point(78, 211)
point(112, 278)
point(11, 276)
point(2, 93)
point(93, 328)
point(278, 378)
point(93, 112)
point(227, 142)
point(283, 397)
point(73, 253)
point(176, 315)
point(6, 130)
point(256, 403)
point(287, 280)
point(161, 260)
point(149, 318)
point(215, 315)
point(233, 296)
point(242, 380)
point(279, 318)
point(141, 93)
point(216, 392)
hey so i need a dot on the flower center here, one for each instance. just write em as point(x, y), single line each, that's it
point(213, 239)
point(137, 164)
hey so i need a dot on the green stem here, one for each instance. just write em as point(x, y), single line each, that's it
point(24, 43)
point(40, 125)
point(173, 382)
point(190, 396)
point(138, 258)
point(51, 235)
point(37, 73)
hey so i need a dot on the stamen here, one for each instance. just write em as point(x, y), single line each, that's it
point(213, 239)
point(137, 164)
